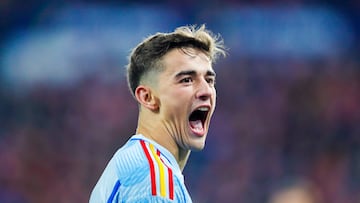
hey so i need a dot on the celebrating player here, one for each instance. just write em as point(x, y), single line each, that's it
point(171, 77)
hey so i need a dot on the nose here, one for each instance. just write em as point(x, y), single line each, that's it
point(204, 90)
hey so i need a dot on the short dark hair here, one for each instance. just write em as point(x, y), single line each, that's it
point(146, 56)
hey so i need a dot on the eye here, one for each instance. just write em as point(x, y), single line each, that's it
point(210, 80)
point(186, 80)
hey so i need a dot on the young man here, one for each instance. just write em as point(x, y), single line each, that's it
point(172, 78)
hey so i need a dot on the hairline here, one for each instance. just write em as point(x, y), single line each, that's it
point(158, 65)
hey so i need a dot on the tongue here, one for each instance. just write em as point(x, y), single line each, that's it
point(197, 125)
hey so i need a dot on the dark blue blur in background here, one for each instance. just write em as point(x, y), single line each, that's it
point(288, 96)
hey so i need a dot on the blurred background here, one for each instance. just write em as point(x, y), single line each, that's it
point(288, 96)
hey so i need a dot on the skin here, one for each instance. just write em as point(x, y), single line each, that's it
point(169, 97)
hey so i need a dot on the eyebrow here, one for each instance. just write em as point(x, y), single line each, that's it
point(192, 73)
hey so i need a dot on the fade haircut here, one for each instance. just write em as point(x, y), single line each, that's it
point(146, 57)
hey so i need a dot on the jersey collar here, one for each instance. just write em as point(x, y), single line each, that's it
point(170, 158)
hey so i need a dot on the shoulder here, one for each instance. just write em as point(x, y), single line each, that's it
point(138, 172)
point(164, 181)
point(129, 159)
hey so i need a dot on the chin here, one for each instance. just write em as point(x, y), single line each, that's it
point(196, 142)
point(197, 147)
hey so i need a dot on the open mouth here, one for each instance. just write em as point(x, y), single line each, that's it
point(197, 120)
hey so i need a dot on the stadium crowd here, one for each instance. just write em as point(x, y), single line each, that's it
point(276, 120)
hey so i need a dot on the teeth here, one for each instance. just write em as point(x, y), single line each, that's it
point(203, 109)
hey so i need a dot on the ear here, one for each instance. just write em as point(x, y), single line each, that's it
point(145, 96)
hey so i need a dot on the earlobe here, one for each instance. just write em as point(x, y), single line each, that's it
point(146, 98)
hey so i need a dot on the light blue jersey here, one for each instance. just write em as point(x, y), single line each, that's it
point(141, 171)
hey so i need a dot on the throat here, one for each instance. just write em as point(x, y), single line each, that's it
point(182, 159)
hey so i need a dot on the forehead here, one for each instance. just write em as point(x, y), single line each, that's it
point(186, 58)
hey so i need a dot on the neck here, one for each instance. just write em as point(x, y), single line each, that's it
point(183, 157)
point(151, 129)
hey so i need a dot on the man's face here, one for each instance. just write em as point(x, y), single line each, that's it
point(187, 96)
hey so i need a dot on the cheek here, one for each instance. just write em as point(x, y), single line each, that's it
point(174, 102)
point(214, 93)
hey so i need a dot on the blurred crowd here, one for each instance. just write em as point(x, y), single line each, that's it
point(277, 121)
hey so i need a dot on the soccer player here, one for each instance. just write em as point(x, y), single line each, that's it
point(172, 79)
